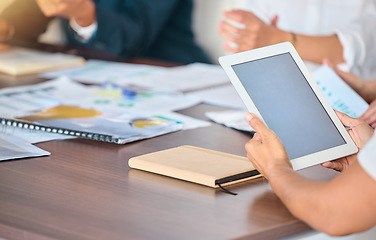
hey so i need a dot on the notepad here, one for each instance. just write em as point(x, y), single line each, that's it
point(197, 165)
point(19, 61)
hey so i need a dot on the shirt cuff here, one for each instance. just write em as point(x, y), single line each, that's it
point(84, 33)
point(353, 49)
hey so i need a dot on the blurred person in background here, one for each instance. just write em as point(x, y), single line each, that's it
point(342, 31)
point(126, 28)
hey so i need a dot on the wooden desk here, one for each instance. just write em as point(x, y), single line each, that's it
point(85, 190)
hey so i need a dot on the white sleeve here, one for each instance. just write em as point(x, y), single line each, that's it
point(358, 40)
point(85, 33)
point(367, 157)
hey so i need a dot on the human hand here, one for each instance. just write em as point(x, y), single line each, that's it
point(370, 115)
point(254, 34)
point(4, 29)
point(366, 89)
point(4, 47)
point(82, 11)
point(360, 132)
point(265, 150)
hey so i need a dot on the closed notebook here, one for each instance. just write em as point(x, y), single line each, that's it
point(18, 61)
point(198, 165)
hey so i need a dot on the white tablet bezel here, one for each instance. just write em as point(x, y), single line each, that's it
point(305, 161)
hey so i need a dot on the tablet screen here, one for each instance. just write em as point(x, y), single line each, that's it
point(288, 104)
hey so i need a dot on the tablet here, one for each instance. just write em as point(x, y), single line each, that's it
point(274, 84)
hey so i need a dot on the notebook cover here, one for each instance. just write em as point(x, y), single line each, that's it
point(193, 164)
point(19, 61)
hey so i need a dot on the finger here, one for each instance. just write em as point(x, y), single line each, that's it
point(256, 124)
point(327, 165)
point(230, 48)
point(335, 165)
point(230, 28)
point(328, 63)
point(247, 47)
point(346, 120)
point(370, 115)
point(256, 138)
point(274, 21)
point(228, 37)
point(240, 16)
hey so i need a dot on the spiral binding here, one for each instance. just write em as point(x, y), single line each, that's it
point(70, 132)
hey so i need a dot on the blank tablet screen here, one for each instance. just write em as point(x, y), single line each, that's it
point(288, 104)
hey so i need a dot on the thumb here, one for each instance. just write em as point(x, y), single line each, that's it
point(256, 123)
point(346, 120)
point(274, 21)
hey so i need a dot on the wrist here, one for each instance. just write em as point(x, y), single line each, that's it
point(284, 36)
point(278, 172)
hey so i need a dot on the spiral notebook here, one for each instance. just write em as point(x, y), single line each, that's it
point(94, 124)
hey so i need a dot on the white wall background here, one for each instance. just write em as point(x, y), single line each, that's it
point(206, 16)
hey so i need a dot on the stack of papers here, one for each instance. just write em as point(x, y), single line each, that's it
point(99, 72)
point(65, 104)
point(176, 79)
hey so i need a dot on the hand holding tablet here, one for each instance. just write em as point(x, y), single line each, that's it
point(274, 83)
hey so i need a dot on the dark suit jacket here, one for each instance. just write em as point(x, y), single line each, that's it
point(158, 29)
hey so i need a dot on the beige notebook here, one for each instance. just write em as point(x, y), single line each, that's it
point(19, 61)
point(198, 165)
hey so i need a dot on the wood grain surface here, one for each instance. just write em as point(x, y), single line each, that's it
point(85, 190)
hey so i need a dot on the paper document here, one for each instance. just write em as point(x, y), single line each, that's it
point(98, 72)
point(21, 61)
point(33, 136)
point(231, 118)
point(108, 126)
point(13, 148)
point(188, 122)
point(184, 78)
point(175, 79)
point(62, 103)
point(340, 95)
point(223, 96)
point(19, 101)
